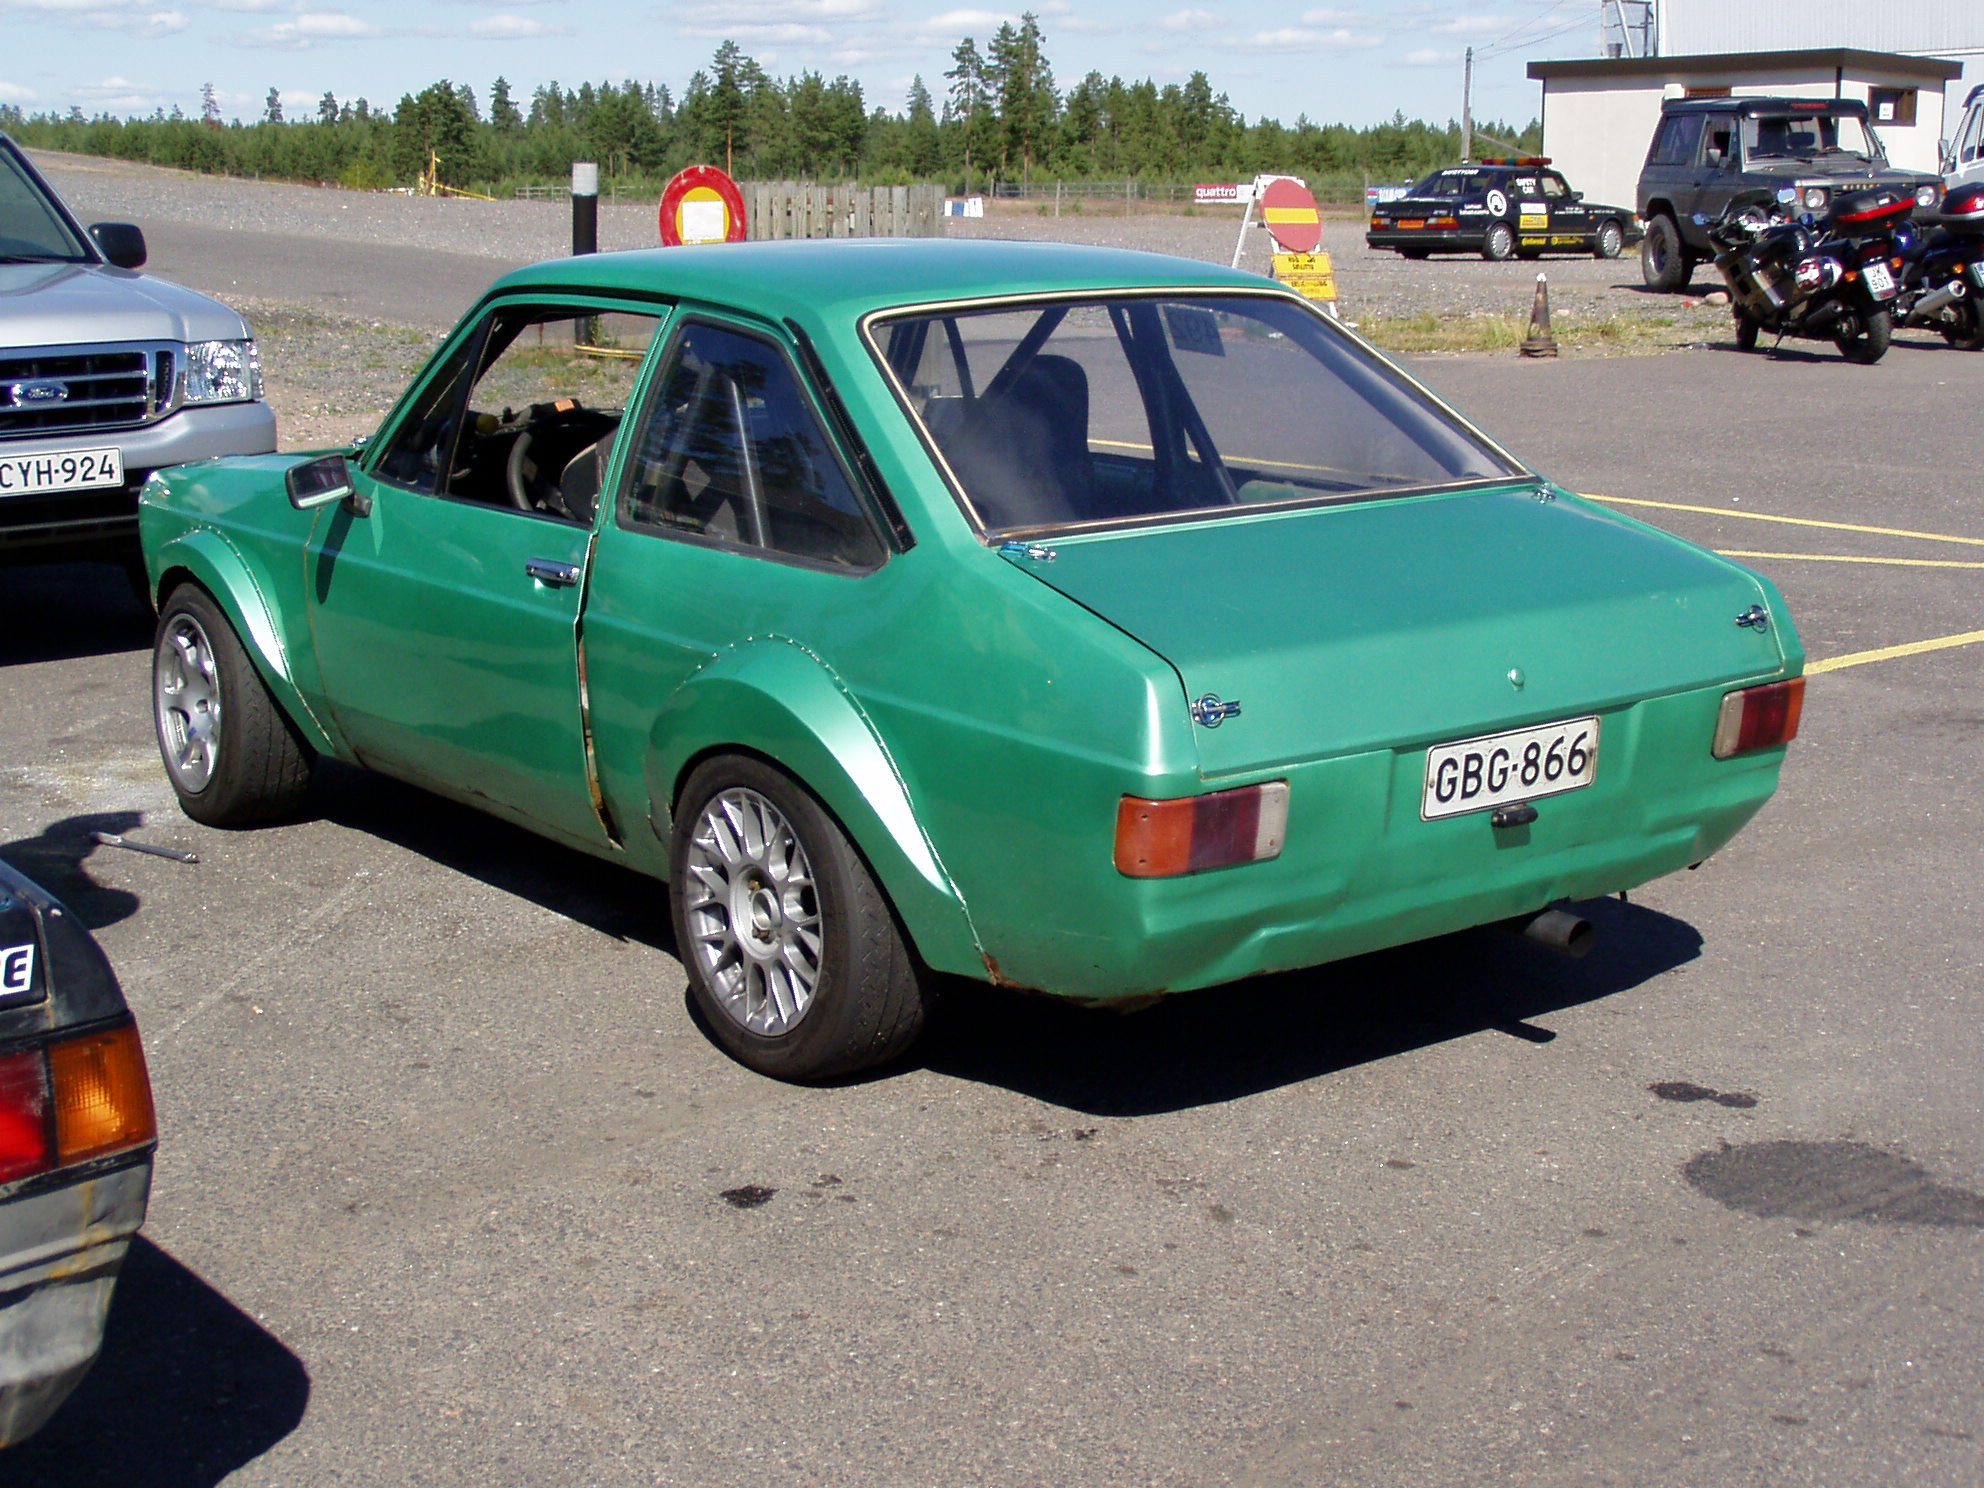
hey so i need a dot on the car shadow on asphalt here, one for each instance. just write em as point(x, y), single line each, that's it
point(56, 858)
point(188, 1390)
point(1202, 1048)
point(602, 896)
point(62, 611)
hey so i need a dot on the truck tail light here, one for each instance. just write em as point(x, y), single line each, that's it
point(1163, 839)
point(76, 1099)
point(1758, 718)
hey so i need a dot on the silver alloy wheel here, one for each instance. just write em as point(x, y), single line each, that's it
point(753, 912)
point(186, 696)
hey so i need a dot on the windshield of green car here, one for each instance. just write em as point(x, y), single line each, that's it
point(1809, 136)
point(1136, 408)
point(31, 229)
point(1451, 185)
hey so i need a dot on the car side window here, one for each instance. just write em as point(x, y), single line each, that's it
point(523, 414)
point(731, 450)
point(1674, 142)
point(1720, 144)
point(1554, 187)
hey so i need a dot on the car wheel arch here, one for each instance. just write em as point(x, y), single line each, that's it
point(208, 561)
point(801, 720)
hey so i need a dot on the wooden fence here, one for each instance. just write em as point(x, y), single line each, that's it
point(788, 209)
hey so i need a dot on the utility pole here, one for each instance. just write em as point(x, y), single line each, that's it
point(1467, 108)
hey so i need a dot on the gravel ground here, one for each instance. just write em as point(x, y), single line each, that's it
point(332, 375)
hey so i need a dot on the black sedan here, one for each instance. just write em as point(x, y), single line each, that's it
point(1500, 209)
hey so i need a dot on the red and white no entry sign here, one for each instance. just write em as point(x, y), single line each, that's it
point(701, 205)
point(1289, 212)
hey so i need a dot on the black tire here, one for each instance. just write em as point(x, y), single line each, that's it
point(1500, 244)
point(1664, 263)
point(232, 755)
point(1962, 327)
point(1747, 329)
point(1414, 252)
point(1870, 343)
point(1609, 241)
point(865, 1003)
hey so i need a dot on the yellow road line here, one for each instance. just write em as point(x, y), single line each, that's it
point(1889, 653)
point(1848, 558)
point(1717, 511)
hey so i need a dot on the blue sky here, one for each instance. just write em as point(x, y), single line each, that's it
point(1351, 63)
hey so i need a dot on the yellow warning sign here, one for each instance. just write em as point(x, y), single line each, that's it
point(1311, 275)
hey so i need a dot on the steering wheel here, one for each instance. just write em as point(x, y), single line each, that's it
point(519, 472)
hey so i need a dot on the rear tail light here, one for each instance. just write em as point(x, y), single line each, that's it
point(1163, 839)
point(1758, 718)
point(76, 1099)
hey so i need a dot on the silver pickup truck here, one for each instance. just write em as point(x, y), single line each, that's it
point(106, 374)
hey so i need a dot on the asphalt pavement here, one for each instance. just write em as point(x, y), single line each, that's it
point(442, 1156)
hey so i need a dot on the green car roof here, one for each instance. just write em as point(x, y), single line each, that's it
point(834, 278)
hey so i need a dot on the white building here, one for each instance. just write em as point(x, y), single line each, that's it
point(1917, 28)
point(1599, 112)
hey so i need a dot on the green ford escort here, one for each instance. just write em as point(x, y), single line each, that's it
point(1092, 622)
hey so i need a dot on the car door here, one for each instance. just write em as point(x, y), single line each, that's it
point(444, 599)
point(1570, 222)
point(736, 524)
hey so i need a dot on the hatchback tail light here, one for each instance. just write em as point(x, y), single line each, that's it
point(73, 1100)
point(1758, 718)
point(1163, 839)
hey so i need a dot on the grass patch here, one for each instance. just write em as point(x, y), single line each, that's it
point(1611, 333)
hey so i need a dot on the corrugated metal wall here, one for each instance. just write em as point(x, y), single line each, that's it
point(1691, 27)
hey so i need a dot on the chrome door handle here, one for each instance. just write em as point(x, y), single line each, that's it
point(547, 571)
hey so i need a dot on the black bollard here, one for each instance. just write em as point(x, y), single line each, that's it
point(585, 207)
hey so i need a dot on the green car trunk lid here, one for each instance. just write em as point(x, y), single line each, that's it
point(1410, 621)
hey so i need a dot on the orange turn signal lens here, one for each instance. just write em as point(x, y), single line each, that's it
point(103, 1096)
point(1163, 839)
point(1758, 718)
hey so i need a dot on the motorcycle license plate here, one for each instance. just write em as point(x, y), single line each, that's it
point(1521, 765)
point(1879, 281)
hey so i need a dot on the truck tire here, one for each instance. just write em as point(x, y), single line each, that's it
point(1664, 263)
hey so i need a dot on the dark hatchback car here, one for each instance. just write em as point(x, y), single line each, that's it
point(76, 1140)
point(1500, 208)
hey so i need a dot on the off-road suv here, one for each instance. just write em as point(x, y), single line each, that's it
point(105, 375)
point(1707, 150)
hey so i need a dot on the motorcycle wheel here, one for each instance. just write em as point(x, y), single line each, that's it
point(1747, 329)
point(1962, 327)
point(1871, 343)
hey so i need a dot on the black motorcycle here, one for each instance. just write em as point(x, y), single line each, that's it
point(1942, 279)
point(1831, 278)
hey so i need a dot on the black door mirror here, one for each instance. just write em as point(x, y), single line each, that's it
point(120, 242)
point(321, 481)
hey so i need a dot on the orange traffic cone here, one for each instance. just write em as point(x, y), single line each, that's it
point(1540, 343)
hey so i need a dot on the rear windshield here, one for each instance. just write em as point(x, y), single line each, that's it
point(1451, 185)
point(1129, 409)
point(31, 230)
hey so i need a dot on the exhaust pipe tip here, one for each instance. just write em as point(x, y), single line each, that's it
point(1557, 930)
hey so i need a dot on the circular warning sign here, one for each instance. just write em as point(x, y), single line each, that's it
point(701, 205)
point(1291, 216)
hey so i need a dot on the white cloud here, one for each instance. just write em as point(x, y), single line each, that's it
point(955, 23)
point(1302, 39)
point(312, 28)
point(764, 33)
point(772, 12)
point(252, 7)
point(1429, 57)
point(15, 93)
point(1188, 20)
point(96, 16)
point(1337, 16)
point(1472, 25)
point(514, 28)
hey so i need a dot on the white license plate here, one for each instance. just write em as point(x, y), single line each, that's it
point(60, 470)
point(1879, 280)
point(1521, 765)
